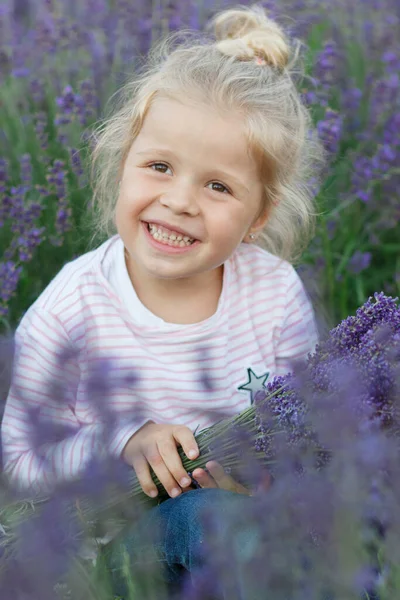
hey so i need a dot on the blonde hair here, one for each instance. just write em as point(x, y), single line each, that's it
point(222, 70)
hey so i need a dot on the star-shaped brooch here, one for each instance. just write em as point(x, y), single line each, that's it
point(254, 384)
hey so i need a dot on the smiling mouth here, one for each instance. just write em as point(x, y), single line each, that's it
point(173, 239)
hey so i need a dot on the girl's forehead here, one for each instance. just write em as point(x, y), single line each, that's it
point(176, 124)
point(180, 115)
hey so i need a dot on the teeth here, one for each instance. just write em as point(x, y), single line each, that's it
point(172, 239)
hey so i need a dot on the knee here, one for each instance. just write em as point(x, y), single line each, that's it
point(190, 504)
point(197, 510)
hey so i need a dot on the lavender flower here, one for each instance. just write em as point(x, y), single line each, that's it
point(76, 165)
point(26, 170)
point(42, 135)
point(57, 179)
point(330, 131)
point(4, 176)
point(359, 262)
point(9, 277)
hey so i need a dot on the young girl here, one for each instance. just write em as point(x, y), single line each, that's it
point(202, 181)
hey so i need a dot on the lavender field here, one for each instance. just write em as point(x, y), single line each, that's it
point(61, 62)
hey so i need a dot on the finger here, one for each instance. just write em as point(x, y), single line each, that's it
point(159, 467)
point(169, 453)
point(142, 470)
point(185, 438)
point(224, 480)
point(204, 479)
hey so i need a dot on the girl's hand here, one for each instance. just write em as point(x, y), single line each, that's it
point(156, 446)
point(218, 478)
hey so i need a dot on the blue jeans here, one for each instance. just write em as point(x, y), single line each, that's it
point(172, 537)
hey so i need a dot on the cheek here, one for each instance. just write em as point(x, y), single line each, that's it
point(136, 194)
point(119, 210)
point(123, 213)
point(228, 223)
point(127, 206)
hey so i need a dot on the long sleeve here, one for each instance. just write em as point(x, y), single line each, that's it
point(43, 440)
point(298, 335)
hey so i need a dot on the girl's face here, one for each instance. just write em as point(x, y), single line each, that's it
point(189, 169)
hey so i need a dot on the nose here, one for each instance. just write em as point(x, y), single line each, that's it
point(180, 199)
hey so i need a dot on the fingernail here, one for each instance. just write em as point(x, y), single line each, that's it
point(175, 492)
point(153, 493)
point(185, 481)
point(192, 453)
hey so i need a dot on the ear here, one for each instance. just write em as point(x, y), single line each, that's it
point(262, 218)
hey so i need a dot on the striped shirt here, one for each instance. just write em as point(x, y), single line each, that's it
point(88, 345)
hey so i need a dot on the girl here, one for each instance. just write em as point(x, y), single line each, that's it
point(202, 181)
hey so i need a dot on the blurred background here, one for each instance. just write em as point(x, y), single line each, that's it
point(62, 60)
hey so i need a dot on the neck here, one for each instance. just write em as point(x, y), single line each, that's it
point(180, 301)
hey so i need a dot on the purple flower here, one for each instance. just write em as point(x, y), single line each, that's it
point(4, 175)
point(9, 278)
point(26, 170)
point(330, 130)
point(56, 177)
point(49, 542)
point(359, 262)
point(27, 243)
point(326, 68)
point(42, 135)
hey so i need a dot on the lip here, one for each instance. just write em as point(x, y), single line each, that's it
point(172, 228)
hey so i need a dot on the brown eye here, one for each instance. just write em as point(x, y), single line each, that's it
point(220, 186)
point(159, 165)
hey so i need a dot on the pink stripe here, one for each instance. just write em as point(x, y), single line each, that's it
point(15, 426)
point(31, 368)
point(47, 326)
point(276, 265)
point(84, 289)
point(66, 320)
point(18, 444)
point(300, 333)
point(18, 408)
point(31, 391)
point(92, 317)
point(290, 348)
point(55, 366)
point(262, 312)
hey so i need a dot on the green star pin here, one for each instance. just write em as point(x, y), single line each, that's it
point(254, 384)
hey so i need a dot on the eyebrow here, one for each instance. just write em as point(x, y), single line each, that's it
point(223, 174)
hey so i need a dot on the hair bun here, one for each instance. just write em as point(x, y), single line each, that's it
point(248, 33)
